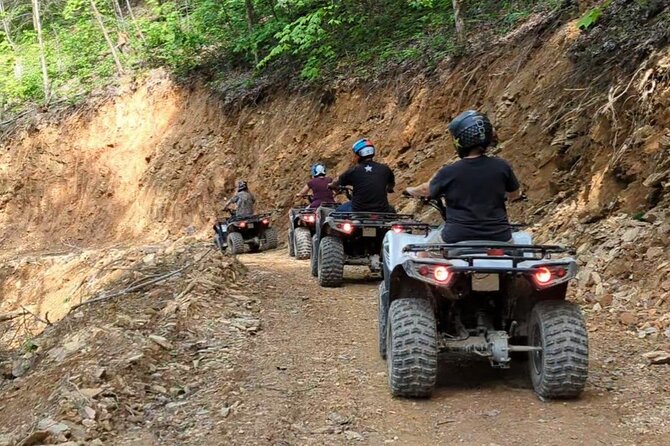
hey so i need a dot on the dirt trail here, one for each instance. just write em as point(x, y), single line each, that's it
point(316, 378)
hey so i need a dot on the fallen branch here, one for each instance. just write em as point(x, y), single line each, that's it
point(12, 315)
point(141, 285)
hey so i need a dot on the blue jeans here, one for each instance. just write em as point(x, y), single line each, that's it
point(346, 207)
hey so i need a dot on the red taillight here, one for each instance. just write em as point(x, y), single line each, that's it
point(496, 252)
point(543, 275)
point(397, 229)
point(441, 273)
point(347, 228)
point(266, 221)
point(242, 224)
point(309, 218)
point(424, 270)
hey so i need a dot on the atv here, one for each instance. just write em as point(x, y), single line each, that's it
point(302, 226)
point(254, 231)
point(352, 238)
point(486, 299)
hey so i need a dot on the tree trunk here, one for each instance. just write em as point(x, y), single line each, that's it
point(251, 21)
point(98, 17)
point(132, 17)
point(460, 27)
point(6, 27)
point(43, 57)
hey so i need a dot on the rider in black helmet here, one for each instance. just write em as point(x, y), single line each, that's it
point(476, 187)
point(243, 200)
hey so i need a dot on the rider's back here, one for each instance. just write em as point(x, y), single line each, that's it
point(475, 190)
point(322, 193)
point(371, 182)
point(245, 204)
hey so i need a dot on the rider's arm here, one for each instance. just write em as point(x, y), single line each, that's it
point(390, 186)
point(230, 201)
point(303, 191)
point(422, 190)
point(512, 186)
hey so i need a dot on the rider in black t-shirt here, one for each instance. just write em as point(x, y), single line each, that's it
point(476, 187)
point(370, 180)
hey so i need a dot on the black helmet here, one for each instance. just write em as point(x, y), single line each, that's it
point(471, 129)
point(242, 185)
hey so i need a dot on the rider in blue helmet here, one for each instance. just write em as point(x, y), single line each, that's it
point(371, 181)
point(476, 187)
point(319, 186)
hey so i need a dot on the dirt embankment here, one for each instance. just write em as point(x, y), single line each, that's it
point(584, 119)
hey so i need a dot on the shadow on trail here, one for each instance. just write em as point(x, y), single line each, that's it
point(458, 372)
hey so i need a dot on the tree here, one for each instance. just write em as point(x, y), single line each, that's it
point(112, 48)
point(37, 22)
point(458, 19)
point(6, 26)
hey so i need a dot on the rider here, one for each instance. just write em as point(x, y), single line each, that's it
point(371, 181)
point(244, 202)
point(475, 187)
point(321, 193)
point(243, 199)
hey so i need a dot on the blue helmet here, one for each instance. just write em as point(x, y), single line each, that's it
point(364, 148)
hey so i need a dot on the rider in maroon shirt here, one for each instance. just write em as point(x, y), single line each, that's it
point(319, 186)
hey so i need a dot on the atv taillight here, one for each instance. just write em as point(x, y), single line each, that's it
point(441, 274)
point(266, 221)
point(550, 275)
point(347, 228)
point(438, 274)
point(242, 224)
point(309, 218)
point(496, 252)
point(543, 276)
point(397, 229)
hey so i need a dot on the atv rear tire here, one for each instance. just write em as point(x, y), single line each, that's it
point(291, 246)
point(411, 346)
point(303, 243)
point(382, 318)
point(331, 262)
point(235, 243)
point(271, 239)
point(561, 368)
point(314, 263)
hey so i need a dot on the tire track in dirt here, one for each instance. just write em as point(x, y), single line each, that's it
point(317, 378)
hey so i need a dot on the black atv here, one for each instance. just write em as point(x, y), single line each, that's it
point(302, 226)
point(480, 298)
point(254, 231)
point(352, 238)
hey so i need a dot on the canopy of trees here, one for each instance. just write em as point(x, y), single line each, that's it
point(64, 48)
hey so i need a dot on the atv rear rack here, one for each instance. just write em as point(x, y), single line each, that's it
point(468, 252)
point(371, 218)
point(250, 217)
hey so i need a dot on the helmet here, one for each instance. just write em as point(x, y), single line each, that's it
point(471, 129)
point(364, 148)
point(318, 169)
point(242, 185)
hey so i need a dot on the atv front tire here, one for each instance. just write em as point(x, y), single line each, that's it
point(303, 243)
point(561, 368)
point(331, 262)
point(314, 263)
point(291, 245)
point(271, 239)
point(411, 346)
point(235, 243)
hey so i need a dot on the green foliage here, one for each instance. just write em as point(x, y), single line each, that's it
point(315, 38)
point(592, 16)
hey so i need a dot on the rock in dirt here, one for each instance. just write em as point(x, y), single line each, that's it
point(657, 357)
point(353, 436)
point(52, 427)
point(160, 340)
point(627, 318)
point(6, 440)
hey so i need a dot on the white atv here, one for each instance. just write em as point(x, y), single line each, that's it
point(488, 299)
